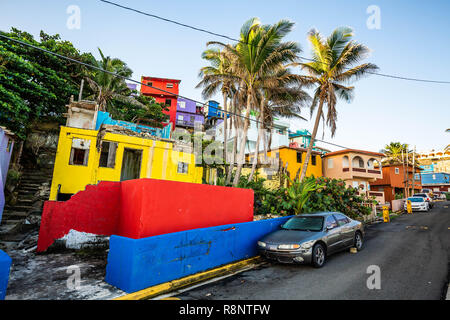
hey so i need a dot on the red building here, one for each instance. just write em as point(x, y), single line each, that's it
point(168, 93)
point(396, 179)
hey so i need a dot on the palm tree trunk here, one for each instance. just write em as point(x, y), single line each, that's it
point(225, 128)
point(233, 158)
point(241, 157)
point(311, 142)
point(256, 156)
point(260, 132)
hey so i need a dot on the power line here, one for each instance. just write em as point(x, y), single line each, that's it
point(240, 41)
point(139, 82)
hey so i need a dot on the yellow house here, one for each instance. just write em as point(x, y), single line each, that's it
point(88, 156)
point(286, 160)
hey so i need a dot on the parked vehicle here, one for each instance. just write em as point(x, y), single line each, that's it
point(428, 191)
point(428, 198)
point(311, 238)
point(418, 204)
point(439, 195)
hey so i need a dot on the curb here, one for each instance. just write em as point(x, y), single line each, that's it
point(189, 280)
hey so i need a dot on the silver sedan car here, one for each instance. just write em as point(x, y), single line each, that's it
point(310, 238)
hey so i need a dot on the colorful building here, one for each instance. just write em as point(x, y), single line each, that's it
point(436, 181)
point(167, 93)
point(279, 136)
point(434, 161)
point(88, 156)
point(189, 114)
point(358, 168)
point(6, 148)
point(285, 160)
point(302, 139)
point(397, 181)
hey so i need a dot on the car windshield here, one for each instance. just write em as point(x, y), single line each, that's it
point(304, 224)
point(416, 199)
point(420, 195)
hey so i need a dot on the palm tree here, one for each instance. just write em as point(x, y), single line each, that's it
point(333, 66)
point(213, 81)
point(280, 94)
point(395, 151)
point(259, 52)
point(107, 87)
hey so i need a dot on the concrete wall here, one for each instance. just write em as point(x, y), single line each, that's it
point(5, 264)
point(151, 207)
point(142, 208)
point(138, 264)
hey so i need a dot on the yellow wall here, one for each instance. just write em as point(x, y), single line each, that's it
point(289, 156)
point(159, 161)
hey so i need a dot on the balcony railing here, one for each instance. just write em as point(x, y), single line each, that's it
point(362, 170)
point(359, 169)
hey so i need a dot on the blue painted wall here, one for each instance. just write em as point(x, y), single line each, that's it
point(5, 265)
point(136, 264)
point(105, 118)
point(437, 178)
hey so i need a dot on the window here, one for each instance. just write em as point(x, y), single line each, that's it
point(341, 219)
point(330, 222)
point(8, 148)
point(345, 162)
point(169, 85)
point(397, 170)
point(180, 117)
point(299, 157)
point(182, 104)
point(183, 167)
point(79, 154)
point(150, 84)
point(355, 184)
point(330, 163)
point(277, 155)
point(313, 160)
point(358, 162)
point(434, 177)
point(169, 102)
point(108, 154)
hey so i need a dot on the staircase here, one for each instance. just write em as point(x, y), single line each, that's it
point(24, 215)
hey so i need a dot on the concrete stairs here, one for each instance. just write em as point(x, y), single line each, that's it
point(24, 215)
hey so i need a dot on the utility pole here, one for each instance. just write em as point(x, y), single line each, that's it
point(404, 180)
point(414, 170)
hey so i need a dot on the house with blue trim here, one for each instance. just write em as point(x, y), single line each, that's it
point(436, 181)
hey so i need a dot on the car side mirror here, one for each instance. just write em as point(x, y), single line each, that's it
point(328, 228)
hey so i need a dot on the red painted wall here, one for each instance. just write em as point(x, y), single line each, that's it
point(161, 96)
point(143, 208)
point(94, 210)
point(151, 207)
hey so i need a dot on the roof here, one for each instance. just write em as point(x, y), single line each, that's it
point(385, 165)
point(159, 78)
point(370, 153)
point(298, 149)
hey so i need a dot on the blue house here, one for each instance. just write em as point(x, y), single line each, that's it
point(436, 181)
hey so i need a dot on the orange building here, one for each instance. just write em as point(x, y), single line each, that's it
point(358, 168)
point(394, 180)
point(168, 93)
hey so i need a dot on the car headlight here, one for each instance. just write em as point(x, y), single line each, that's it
point(307, 244)
point(288, 246)
point(261, 244)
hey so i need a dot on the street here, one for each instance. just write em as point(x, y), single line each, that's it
point(412, 252)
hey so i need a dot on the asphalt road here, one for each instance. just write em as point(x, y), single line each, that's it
point(412, 253)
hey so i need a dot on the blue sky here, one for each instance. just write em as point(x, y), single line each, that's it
point(413, 41)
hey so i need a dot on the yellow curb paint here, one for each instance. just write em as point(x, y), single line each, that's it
point(186, 281)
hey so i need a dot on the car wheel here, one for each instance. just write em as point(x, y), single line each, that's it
point(358, 241)
point(318, 256)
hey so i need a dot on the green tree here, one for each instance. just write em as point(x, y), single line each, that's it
point(34, 84)
point(333, 67)
point(299, 192)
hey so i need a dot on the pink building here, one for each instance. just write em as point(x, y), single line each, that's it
point(358, 168)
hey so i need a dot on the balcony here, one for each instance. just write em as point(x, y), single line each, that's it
point(351, 172)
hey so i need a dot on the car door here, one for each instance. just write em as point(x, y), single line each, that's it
point(347, 232)
point(332, 234)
